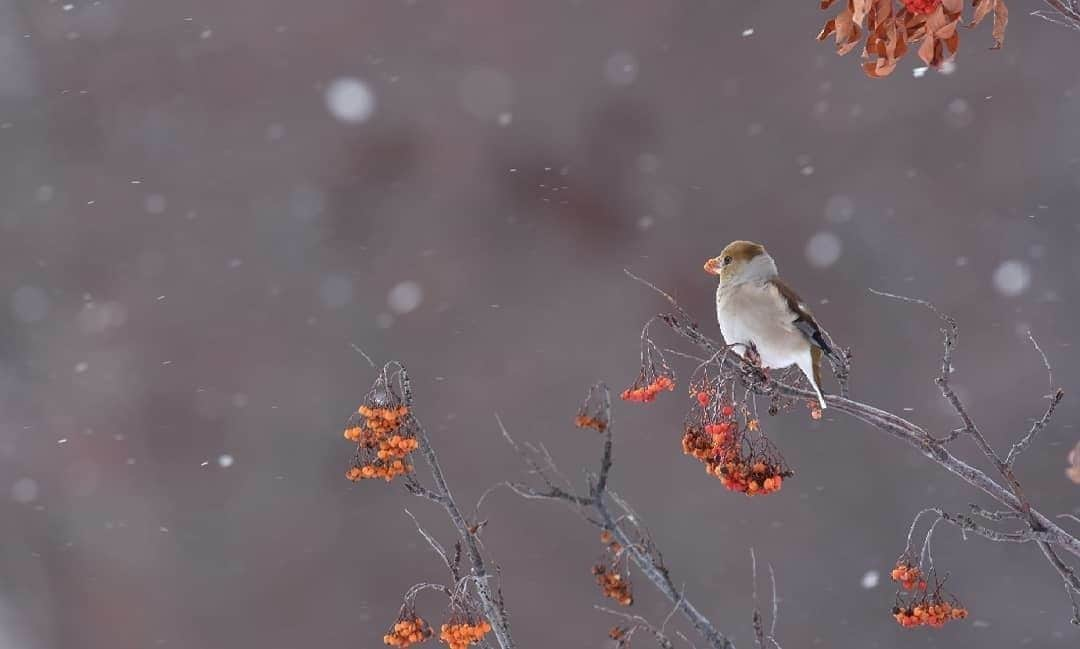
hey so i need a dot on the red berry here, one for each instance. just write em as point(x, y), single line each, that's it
point(921, 6)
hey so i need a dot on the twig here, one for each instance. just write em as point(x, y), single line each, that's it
point(1022, 445)
point(435, 545)
point(367, 358)
point(661, 638)
point(1068, 11)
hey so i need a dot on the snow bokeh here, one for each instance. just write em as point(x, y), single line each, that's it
point(1012, 277)
point(823, 249)
point(350, 100)
point(405, 297)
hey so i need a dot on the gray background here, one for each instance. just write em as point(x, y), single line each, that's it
point(519, 155)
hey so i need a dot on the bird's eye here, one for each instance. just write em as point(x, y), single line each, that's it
point(727, 260)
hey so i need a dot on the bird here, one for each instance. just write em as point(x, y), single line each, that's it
point(761, 317)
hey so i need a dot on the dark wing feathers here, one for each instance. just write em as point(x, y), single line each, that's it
point(804, 320)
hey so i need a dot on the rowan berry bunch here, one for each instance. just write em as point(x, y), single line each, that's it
point(727, 439)
point(613, 584)
point(382, 430)
point(933, 609)
point(756, 473)
point(907, 575)
point(463, 630)
point(612, 575)
point(409, 629)
point(655, 376)
point(594, 411)
point(921, 6)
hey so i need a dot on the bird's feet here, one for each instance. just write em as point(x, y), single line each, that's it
point(753, 360)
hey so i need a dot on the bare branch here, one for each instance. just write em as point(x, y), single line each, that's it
point(362, 353)
point(1067, 13)
point(1022, 445)
point(967, 524)
point(661, 639)
point(639, 554)
point(759, 625)
point(435, 545)
point(1001, 514)
point(775, 605)
point(494, 611)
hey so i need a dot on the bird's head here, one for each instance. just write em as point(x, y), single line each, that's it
point(741, 261)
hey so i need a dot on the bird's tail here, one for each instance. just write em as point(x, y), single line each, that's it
point(813, 374)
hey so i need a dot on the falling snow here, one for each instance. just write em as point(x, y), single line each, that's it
point(350, 100)
point(823, 249)
point(1012, 278)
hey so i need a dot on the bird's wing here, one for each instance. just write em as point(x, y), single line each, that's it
point(804, 320)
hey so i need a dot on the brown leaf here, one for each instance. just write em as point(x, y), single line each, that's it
point(825, 4)
point(953, 42)
point(828, 29)
point(982, 10)
point(858, 10)
point(847, 32)
point(953, 6)
point(926, 50)
point(1001, 20)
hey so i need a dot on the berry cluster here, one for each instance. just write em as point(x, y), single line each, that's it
point(608, 577)
point(655, 376)
point(613, 584)
point(751, 476)
point(384, 439)
point(743, 463)
point(909, 577)
point(921, 6)
point(459, 635)
point(929, 610)
point(645, 391)
point(916, 605)
point(588, 421)
point(621, 636)
point(595, 410)
point(408, 630)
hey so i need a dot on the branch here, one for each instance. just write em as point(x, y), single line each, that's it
point(1043, 530)
point(594, 508)
point(638, 621)
point(1022, 445)
point(1063, 12)
point(494, 611)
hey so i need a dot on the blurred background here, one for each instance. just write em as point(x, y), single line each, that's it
point(207, 207)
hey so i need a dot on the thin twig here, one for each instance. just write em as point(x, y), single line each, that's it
point(661, 638)
point(435, 545)
point(362, 353)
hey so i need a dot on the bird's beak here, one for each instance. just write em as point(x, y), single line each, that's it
point(712, 266)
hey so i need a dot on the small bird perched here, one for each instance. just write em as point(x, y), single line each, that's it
point(760, 313)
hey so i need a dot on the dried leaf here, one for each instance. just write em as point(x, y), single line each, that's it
point(828, 29)
point(1001, 20)
point(982, 10)
point(926, 50)
point(859, 8)
point(953, 6)
point(953, 42)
